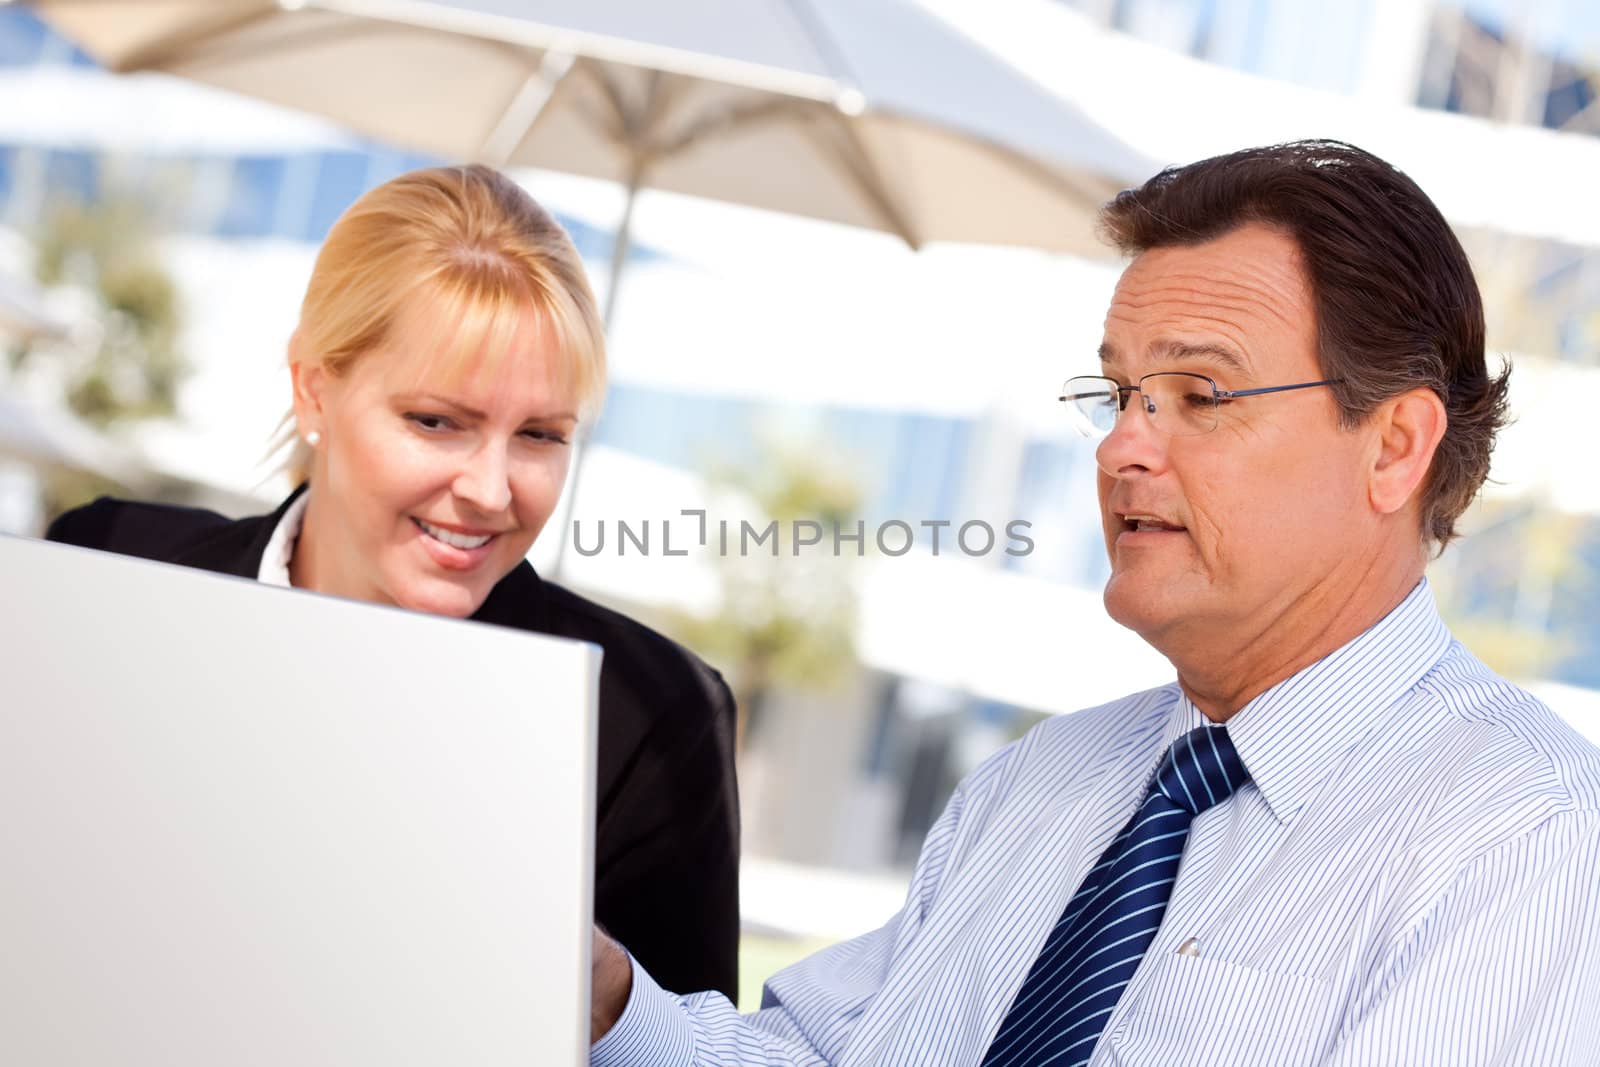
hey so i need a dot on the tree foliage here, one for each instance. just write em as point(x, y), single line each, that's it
point(106, 250)
point(784, 619)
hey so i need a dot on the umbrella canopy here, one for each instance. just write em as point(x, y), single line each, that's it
point(865, 112)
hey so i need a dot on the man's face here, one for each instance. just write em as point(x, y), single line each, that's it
point(1256, 518)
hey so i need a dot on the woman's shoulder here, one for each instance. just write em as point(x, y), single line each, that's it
point(133, 528)
point(650, 666)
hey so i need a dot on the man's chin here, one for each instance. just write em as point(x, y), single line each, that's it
point(1135, 604)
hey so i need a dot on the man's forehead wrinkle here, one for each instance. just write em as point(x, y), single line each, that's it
point(1265, 292)
point(1200, 298)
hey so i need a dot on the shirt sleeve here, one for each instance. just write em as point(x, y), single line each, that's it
point(1503, 969)
point(808, 1011)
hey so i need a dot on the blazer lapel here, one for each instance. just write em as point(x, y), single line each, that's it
point(237, 547)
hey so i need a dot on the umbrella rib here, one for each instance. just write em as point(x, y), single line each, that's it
point(823, 41)
point(732, 118)
point(530, 104)
point(634, 127)
point(857, 164)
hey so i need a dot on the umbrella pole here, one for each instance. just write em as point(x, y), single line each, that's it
point(620, 247)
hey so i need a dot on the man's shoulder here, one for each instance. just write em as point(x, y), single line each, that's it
point(1509, 740)
point(1481, 766)
point(131, 528)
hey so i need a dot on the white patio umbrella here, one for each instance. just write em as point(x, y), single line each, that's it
point(865, 112)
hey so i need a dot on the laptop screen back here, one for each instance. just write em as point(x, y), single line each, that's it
point(253, 826)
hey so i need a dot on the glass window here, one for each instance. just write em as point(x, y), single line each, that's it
point(8, 162)
point(73, 175)
point(1056, 493)
point(22, 37)
point(341, 179)
point(251, 202)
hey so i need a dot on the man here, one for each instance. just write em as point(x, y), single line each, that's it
point(1339, 839)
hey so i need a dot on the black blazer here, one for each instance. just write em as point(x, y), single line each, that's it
point(667, 832)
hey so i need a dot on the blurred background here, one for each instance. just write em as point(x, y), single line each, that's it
point(895, 365)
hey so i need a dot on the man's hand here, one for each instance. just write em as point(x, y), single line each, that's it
point(610, 982)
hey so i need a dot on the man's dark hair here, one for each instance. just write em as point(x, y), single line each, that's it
point(1396, 302)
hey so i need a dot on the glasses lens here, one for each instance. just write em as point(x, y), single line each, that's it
point(1180, 404)
point(1091, 405)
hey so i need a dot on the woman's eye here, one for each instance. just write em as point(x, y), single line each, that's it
point(431, 423)
point(553, 437)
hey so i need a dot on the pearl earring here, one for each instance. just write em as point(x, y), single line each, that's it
point(314, 438)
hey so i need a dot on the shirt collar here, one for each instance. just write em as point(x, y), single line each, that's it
point(1291, 736)
point(275, 558)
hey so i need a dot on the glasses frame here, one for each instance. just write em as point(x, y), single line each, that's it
point(1124, 394)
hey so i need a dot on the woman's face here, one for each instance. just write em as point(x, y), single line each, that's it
point(430, 483)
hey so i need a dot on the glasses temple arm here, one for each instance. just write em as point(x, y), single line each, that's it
point(1228, 394)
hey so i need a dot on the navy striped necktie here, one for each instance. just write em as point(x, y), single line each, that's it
point(1113, 917)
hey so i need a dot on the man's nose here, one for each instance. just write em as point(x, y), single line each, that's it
point(1134, 443)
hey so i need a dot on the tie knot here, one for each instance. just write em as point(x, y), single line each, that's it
point(1202, 769)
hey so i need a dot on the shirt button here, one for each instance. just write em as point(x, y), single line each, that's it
point(1190, 947)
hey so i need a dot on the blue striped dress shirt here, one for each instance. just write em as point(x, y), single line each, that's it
point(1411, 876)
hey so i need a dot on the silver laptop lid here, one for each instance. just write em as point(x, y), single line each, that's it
point(242, 825)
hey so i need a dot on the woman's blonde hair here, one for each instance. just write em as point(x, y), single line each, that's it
point(471, 240)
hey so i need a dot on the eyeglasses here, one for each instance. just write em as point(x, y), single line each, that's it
point(1179, 404)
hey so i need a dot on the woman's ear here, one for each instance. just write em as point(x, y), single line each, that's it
point(1410, 427)
point(310, 382)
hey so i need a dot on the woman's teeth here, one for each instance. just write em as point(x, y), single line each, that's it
point(455, 540)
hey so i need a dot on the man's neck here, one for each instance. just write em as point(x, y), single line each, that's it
point(1225, 675)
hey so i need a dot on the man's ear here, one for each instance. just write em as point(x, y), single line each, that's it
point(1409, 428)
point(310, 383)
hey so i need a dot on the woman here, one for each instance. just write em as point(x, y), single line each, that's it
point(447, 352)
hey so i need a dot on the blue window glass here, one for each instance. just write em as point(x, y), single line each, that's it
point(1056, 494)
point(8, 162)
point(252, 198)
point(77, 57)
point(340, 180)
point(72, 175)
point(22, 37)
point(681, 430)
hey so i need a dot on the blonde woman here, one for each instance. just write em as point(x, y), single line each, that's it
point(448, 350)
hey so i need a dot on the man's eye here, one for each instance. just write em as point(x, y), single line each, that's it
point(431, 423)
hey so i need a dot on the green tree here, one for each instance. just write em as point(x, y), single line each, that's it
point(784, 619)
point(1518, 554)
point(107, 250)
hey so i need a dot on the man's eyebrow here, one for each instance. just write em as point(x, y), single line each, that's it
point(1175, 351)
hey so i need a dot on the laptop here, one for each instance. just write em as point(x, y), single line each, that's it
point(242, 825)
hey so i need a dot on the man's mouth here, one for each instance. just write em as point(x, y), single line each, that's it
point(465, 542)
point(1148, 524)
